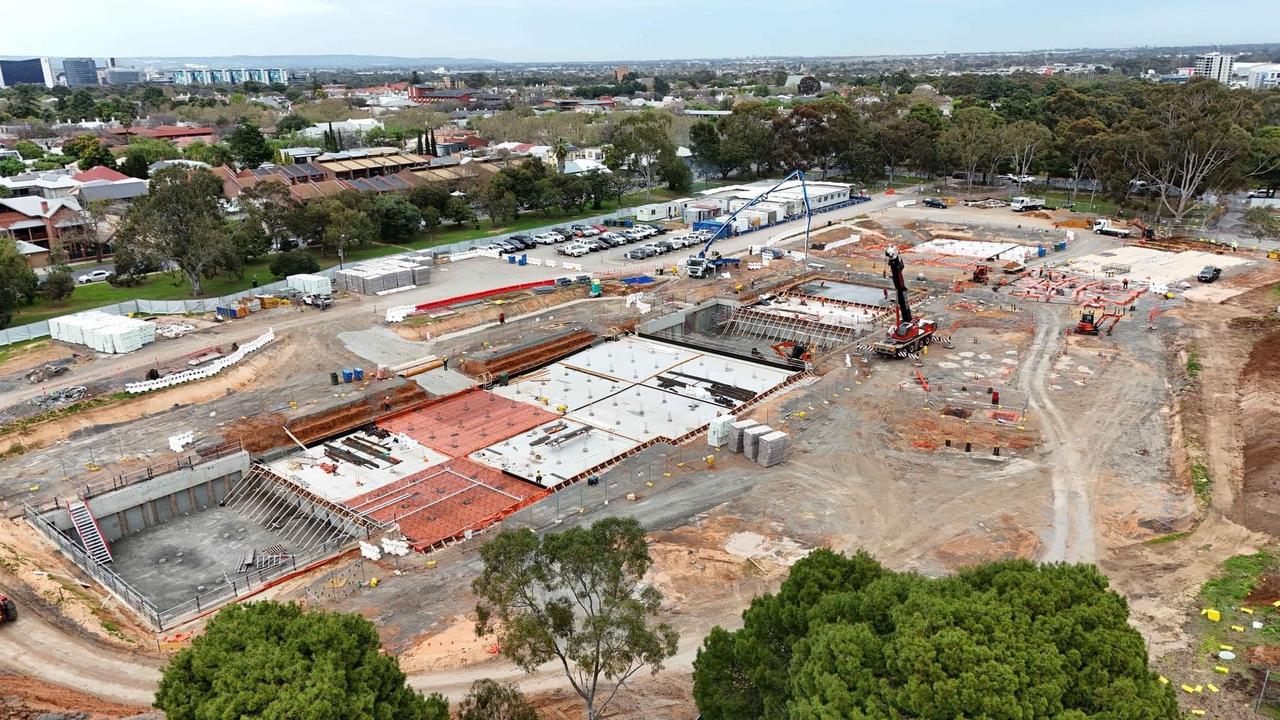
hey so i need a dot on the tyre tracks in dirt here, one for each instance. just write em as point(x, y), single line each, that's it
point(1070, 464)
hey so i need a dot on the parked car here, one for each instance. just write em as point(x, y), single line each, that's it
point(633, 235)
point(585, 231)
point(574, 249)
point(935, 203)
point(665, 245)
point(600, 229)
point(639, 253)
point(614, 239)
point(654, 248)
point(507, 248)
point(1262, 193)
point(1209, 274)
point(491, 247)
point(524, 242)
point(95, 276)
point(660, 229)
point(548, 238)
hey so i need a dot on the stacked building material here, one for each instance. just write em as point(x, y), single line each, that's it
point(751, 440)
point(385, 274)
point(773, 448)
point(736, 430)
point(720, 431)
point(103, 332)
point(314, 284)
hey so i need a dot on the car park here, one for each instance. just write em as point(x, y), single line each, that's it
point(95, 276)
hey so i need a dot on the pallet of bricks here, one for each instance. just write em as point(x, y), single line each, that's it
point(761, 443)
point(384, 275)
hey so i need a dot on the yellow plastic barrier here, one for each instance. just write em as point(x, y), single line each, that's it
point(1212, 688)
point(1164, 680)
point(1213, 615)
point(1227, 647)
point(1199, 688)
point(1197, 713)
point(1188, 689)
point(1247, 610)
point(1220, 669)
point(1238, 628)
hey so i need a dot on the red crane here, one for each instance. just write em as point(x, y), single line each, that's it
point(909, 333)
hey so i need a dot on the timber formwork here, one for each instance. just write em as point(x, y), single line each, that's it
point(515, 360)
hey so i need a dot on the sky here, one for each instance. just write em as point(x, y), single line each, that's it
point(593, 30)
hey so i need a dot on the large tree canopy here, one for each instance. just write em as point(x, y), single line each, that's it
point(845, 638)
point(276, 662)
point(575, 598)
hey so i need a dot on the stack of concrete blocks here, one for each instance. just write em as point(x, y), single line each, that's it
point(720, 431)
point(385, 275)
point(751, 440)
point(736, 430)
point(772, 448)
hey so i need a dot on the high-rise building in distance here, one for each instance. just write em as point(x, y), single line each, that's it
point(35, 71)
point(80, 71)
point(1214, 65)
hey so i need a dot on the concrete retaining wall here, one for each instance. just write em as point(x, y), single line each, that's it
point(142, 505)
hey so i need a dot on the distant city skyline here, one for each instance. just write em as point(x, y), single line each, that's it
point(591, 30)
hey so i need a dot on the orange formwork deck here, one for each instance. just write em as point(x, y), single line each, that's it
point(460, 424)
point(446, 501)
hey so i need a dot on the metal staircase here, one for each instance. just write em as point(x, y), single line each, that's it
point(90, 534)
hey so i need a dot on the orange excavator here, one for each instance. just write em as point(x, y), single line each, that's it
point(1093, 323)
point(792, 350)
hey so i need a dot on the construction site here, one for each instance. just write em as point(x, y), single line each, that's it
point(937, 389)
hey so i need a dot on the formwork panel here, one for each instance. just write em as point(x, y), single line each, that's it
point(530, 453)
point(557, 386)
point(643, 413)
point(463, 423)
point(629, 360)
point(704, 372)
point(446, 501)
point(351, 479)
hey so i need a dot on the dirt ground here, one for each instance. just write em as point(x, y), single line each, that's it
point(1097, 438)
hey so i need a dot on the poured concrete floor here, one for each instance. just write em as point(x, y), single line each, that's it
point(200, 549)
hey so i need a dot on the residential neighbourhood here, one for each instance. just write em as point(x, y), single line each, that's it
point(887, 373)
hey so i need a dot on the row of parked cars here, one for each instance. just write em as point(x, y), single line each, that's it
point(582, 239)
point(661, 247)
point(612, 239)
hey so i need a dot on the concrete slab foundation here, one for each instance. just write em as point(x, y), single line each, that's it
point(553, 453)
point(173, 562)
